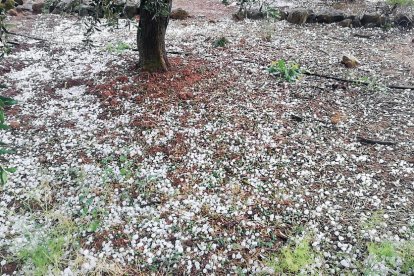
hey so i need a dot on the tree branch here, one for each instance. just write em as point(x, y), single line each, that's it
point(356, 81)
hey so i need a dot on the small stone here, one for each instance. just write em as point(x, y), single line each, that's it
point(346, 23)
point(350, 61)
point(14, 124)
point(179, 14)
point(13, 12)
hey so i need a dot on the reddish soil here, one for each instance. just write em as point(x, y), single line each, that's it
point(172, 86)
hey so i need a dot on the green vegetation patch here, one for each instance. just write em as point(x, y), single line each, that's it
point(118, 47)
point(289, 71)
point(396, 256)
point(292, 258)
point(49, 255)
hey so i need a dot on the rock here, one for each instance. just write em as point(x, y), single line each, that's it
point(329, 17)
point(37, 8)
point(346, 23)
point(19, 2)
point(239, 16)
point(356, 23)
point(24, 7)
point(255, 14)
point(298, 16)
point(68, 6)
point(57, 9)
point(404, 21)
point(373, 20)
point(283, 15)
point(312, 17)
point(85, 10)
point(130, 11)
point(13, 12)
point(350, 61)
point(179, 14)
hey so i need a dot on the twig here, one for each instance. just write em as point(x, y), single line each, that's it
point(356, 81)
point(374, 142)
point(363, 35)
point(179, 53)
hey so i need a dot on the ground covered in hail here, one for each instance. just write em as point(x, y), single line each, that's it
point(216, 167)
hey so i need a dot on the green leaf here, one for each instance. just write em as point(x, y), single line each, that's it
point(94, 226)
point(89, 201)
point(3, 176)
point(6, 151)
point(7, 101)
point(2, 126)
point(11, 170)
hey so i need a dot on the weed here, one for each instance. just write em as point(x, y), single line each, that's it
point(288, 71)
point(385, 251)
point(92, 214)
point(373, 84)
point(221, 42)
point(407, 255)
point(374, 221)
point(47, 257)
point(4, 171)
point(292, 258)
point(389, 256)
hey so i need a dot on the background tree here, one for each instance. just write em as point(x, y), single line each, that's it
point(154, 17)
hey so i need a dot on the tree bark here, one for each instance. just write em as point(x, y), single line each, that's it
point(151, 36)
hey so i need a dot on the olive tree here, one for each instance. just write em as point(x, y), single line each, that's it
point(154, 17)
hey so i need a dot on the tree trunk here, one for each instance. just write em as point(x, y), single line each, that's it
point(151, 35)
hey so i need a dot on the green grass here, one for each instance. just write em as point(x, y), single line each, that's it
point(374, 221)
point(48, 256)
point(118, 47)
point(292, 258)
point(48, 253)
point(395, 255)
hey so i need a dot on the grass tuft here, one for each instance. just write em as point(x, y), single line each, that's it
point(292, 258)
